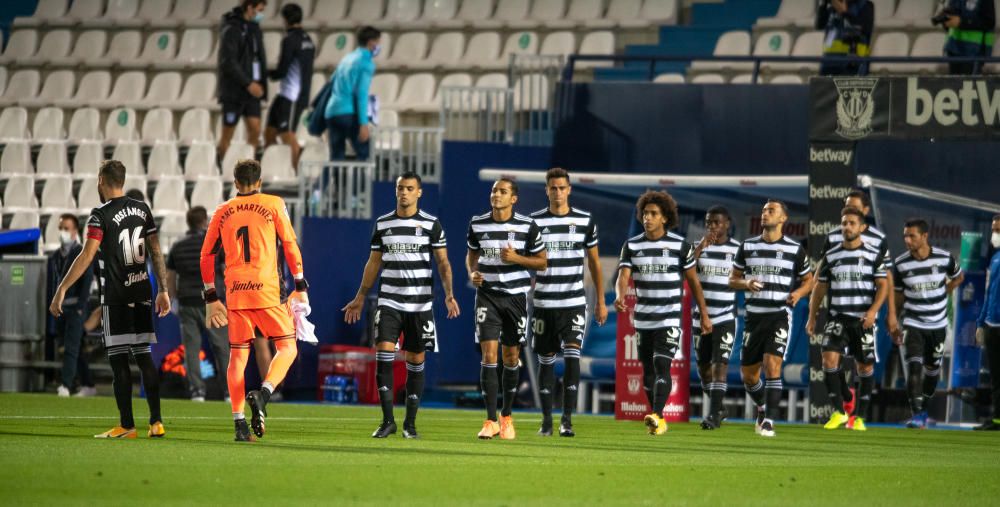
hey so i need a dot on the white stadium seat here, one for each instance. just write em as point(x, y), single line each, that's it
point(20, 192)
point(437, 11)
point(890, 44)
point(456, 79)
point(57, 194)
point(89, 46)
point(129, 153)
point(51, 235)
point(137, 182)
point(385, 86)
point(195, 49)
point(124, 47)
point(786, 79)
point(597, 43)
point(654, 12)
point(163, 162)
point(446, 51)
point(235, 153)
point(184, 12)
point(213, 11)
point(619, 12)
point(417, 90)
point(59, 86)
point(335, 47)
point(200, 162)
point(542, 13)
point(790, 13)
point(492, 80)
point(121, 126)
point(164, 88)
point(773, 43)
point(409, 47)
point(16, 160)
point(928, 44)
point(911, 13)
point(85, 125)
point(525, 43)
point(276, 165)
point(48, 125)
point(87, 159)
point(482, 52)
point(731, 43)
point(149, 12)
point(884, 11)
point(55, 44)
point(708, 79)
point(158, 126)
point(401, 14)
point(24, 219)
point(507, 11)
point(159, 47)
point(327, 14)
point(45, 12)
point(117, 10)
point(14, 124)
point(468, 11)
point(3, 79)
point(314, 151)
point(580, 11)
point(198, 92)
point(79, 11)
point(669, 78)
point(88, 197)
point(195, 126)
point(207, 193)
point(366, 12)
point(129, 88)
point(558, 43)
point(21, 44)
point(23, 84)
point(169, 197)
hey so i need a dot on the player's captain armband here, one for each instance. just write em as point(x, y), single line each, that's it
point(95, 233)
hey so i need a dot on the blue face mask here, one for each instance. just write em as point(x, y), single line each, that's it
point(257, 18)
point(376, 50)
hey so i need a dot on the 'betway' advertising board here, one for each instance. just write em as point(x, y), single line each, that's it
point(630, 398)
point(853, 108)
point(831, 178)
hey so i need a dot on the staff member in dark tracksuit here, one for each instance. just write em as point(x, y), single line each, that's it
point(241, 71)
point(70, 324)
point(295, 68)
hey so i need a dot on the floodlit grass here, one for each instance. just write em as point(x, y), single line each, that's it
point(324, 455)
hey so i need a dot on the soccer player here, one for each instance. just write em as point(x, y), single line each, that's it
point(559, 317)
point(927, 275)
point(247, 228)
point(714, 256)
point(295, 70)
point(776, 272)
point(119, 233)
point(658, 261)
point(853, 273)
point(402, 242)
point(504, 248)
point(870, 235)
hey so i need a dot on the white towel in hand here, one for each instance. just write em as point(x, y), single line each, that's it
point(304, 330)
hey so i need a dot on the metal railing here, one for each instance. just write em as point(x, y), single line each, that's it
point(341, 189)
point(533, 79)
point(470, 113)
point(396, 150)
point(757, 61)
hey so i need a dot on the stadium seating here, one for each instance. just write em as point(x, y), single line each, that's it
point(184, 13)
point(791, 13)
point(163, 162)
point(124, 47)
point(23, 219)
point(22, 44)
point(88, 197)
point(85, 125)
point(130, 154)
point(200, 162)
point(23, 84)
point(168, 198)
point(150, 11)
point(52, 160)
point(13, 124)
point(57, 195)
point(89, 46)
point(120, 126)
point(59, 85)
point(159, 47)
point(198, 92)
point(20, 192)
point(45, 12)
point(732, 43)
point(910, 13)
point(409, 47)
point(87, 159)
point(890, 44)
point(237, 151)
point(208, 193)
point(276, 165)
point(55, 44)
point(48, 125)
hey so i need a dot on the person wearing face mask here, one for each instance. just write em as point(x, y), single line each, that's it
point(242, 71)
point(988, 327)
point(347, 108)
point(70, 324)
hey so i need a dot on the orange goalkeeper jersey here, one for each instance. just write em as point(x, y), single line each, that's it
point(247, 228)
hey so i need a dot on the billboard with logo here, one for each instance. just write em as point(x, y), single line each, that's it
point(831, 177)
point(630, 398)
point(853, 108)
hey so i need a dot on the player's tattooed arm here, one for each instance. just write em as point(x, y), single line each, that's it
point(160, 270)
point(444, 269)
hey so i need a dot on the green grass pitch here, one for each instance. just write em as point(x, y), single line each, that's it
point(316, 454)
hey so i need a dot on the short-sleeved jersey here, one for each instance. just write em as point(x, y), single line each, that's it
point(714, 266)
point(247, 227)
point(122, 225)
point(658, 267)
point(923, 283)
point(406, 243)
point(567, 238)
point(870, 236)
point(851, 274)
point(489, 237)
point(778, 265)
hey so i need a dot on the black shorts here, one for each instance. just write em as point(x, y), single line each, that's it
point(284, 114)
point(847, 333)
point(659, 342)
point(717, 347)
point(552, 328)
point(501, 317)
point(233, 111)
point(765, 333)
point(128, 324)
point(418, 329)
point(925, 346)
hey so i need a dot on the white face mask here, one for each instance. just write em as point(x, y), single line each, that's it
point(995, 239)
point(65, 238)
point(376, 50)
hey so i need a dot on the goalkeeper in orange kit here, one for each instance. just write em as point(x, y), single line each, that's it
point(247, 228)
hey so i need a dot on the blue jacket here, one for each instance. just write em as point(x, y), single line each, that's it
point(991, 305)
point(974, 35)
point(349, 85)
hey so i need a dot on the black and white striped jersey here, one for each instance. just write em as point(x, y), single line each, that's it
point(658, 273)
point(489, 237)
point(121, 226)
point(406, 243)
point(851, 274)
point(870, 236)
point(778, 265)
point(567, 238)
point(924, 282)
point(714, 266)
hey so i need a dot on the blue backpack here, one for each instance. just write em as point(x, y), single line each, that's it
point(317, 118)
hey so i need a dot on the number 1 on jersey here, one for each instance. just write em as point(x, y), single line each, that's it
point(243, 234)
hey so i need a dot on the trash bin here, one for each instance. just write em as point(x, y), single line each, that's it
point(22, 320)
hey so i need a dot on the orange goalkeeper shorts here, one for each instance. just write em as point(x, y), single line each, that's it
point(274, 323)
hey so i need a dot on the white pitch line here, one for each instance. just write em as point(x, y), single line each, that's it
point(207, 418)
